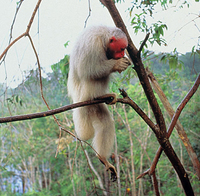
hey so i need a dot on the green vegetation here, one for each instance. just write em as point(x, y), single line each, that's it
point(38, 159)
point(28, 148)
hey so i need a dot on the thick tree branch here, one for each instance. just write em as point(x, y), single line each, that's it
point(175, 117)
point(161, 133)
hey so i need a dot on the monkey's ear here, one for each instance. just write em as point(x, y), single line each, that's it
point(112, 39)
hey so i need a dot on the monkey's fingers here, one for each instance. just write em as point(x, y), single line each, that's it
point(125, 62)
point(128, 61)
point(122, 68)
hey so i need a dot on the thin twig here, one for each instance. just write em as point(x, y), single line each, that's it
point(23, 34)
point(129, 101)
point(33, 16)
point(142, 45)
point(89, 14)
point(8, 47)
point(12, 25)
point(155, 184)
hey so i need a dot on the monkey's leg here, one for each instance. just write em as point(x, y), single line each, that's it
point(104, 136)
point(83, 124)
point(85, 130)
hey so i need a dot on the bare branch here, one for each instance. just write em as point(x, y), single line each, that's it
point(182, 105)
point(155, 184)
point(129, 101)
point(174, 120)
point(24, 34)
point(12, 25)
point(142, 45)
point(89, 14)
point(8, 47)
point(33, 16)
point(54, 111)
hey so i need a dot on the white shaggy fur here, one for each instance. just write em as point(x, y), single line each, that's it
point(88, 78)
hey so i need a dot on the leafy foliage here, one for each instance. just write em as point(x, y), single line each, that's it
point(28, 164)
point(28, 148)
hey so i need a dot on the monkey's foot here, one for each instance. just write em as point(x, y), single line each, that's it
point(112, 96)
point(110, 167)
point(113, 171)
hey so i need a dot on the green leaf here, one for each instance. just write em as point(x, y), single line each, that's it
point(17, 98)
point(66, 44)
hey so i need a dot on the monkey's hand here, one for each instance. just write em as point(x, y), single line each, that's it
point(121, 65)
point(110, 167)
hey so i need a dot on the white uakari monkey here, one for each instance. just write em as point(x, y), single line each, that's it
point(98, 52)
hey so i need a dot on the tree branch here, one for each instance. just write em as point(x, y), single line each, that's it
point(142, 45)
point(55, 111)
point(11, 28)
point(33, 16)
point(173, 123)
point(130, 102)
point(161, 133)
point(25, 33)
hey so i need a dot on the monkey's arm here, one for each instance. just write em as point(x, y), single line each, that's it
point(106, 67)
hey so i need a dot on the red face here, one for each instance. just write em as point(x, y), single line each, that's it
point(116, 48)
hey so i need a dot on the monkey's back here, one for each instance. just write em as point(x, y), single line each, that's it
point(86, 61)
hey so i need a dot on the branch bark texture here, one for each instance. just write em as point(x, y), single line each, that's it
point(161, 133)
point(178, 125)
point(54, 111)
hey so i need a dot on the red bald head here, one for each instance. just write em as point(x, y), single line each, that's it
point(116, 47)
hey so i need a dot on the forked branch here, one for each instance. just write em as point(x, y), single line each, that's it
point(161, 132)
point(173, 123)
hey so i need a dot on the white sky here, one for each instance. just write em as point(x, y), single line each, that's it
point(60, 21)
